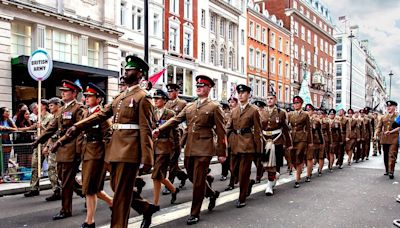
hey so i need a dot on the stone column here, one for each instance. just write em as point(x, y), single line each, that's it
point(111, 61)
point(5, 61)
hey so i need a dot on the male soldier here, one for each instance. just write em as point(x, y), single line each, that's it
point(342, 145)
point(367, 126)
point(275, 133)
point(257, 159)
point(299, 122)
point(244, 135)
point(234, 168)
point(352, 135)
point(68, 154)
point(389, 138)
point(93, 149)
point(45, 119)
point(131, 145)
point(175, 104)
point(335, 137)
point(203, 118)
point(225, 166)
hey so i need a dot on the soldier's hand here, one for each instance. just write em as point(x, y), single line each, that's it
point(45, 150)
point(71, 131)
point(54, 147)
point(221, 159)
point(386, 132)
point(156, 133)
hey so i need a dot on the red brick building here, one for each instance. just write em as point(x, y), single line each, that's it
point(312, 46)
point(180, 43)
point(268, 45)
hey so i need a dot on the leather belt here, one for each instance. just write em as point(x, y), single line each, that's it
point(271, 133)
point(242, 131)
point(125, 126)
point(90, 138)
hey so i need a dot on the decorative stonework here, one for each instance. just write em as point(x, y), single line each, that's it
point(91, 2)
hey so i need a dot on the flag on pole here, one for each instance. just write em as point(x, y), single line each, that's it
point(78, 83)
point(154, 78)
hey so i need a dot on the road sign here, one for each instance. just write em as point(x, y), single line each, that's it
point(40, 65)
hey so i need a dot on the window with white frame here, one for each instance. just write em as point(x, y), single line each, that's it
point(222, 56)
point(316, 41)
point(263, 35)
point(264, 61)
point(137, 18)
point(287, 71)
point(280, 44)
point(308, 14)
point(48, 44)
point(257, 89)
point(173, 39)
point(272, 83)
point(326, 65)
point(251, 83)
point(272, 65)
point(203, 52)
point(230, 60)
point(301, 9)
point(93, 53)
point(187, 43)
point(287, 100)
point(321, 44)
point(251, 29)
point(314, 19)
point(309, 36)
point(295, 4)
point(65, 47)
point(321, 63)
point(287, 47)
point(242, 65)
point(174, 6)
point(213, 21)
point(222, 28)
point(315, 60)
point(230, 31)
point(188, 9)
point(326, 47)
point(251, 57)
point(215, 89)
point(203, 18)
point(303, 54)
point(213, 55)
point(308, 57)
point(258, 58)
point(242, 37)
point(258, 32)
point(272, 44)
point(280, 68)
point(296, 72)
point(263, 88)
point(156, 24)
point(279, 92)
point(296, 51)
point(303, 33)
point(21, 39)
point(296, 28)
point(123, 12)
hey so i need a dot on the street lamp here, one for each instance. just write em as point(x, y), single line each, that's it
point(390, 85)
point(351, 63)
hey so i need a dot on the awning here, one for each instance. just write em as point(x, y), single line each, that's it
point(69, 68)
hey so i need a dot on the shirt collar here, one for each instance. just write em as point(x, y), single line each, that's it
point(129, 89)
point(243, 106)
point(68, 104)
point(91, 110)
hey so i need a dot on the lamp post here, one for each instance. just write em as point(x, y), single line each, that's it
point(390, 85)
point(351, 63)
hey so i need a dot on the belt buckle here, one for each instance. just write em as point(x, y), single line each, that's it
point(238, 132)
point(268, 133)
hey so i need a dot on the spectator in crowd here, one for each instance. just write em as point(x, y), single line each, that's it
point(23, 123)
point(21, 106)
point(6, 126)
point(34, 109)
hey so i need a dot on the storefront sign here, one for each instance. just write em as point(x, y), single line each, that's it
point(40, 65)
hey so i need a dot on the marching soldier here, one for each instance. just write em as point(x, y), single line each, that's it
point(244, 133)
point(203, 117)
point(375, 139)
point(257, 159)
point(359, 142)
point(164, 147)
point(175, 104)
point(131, 145)
point(225, 166)
point(352, 135)
point(327, 139)
point(299, 122)
point(287, 152)
point(234, 167)
point(93, 150)
point(335, 137)
point(342, 145)
point(68, 155)
point(367, 127)
point(316, 142)
point(275, 133)
point(389, 138)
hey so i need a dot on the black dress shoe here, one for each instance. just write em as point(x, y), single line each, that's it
point(229, 188)
point(61, 215)
point(391, 176)
point(308, 179)
point(56, 196)
point(183, 182)
point(296, 185)
point(252, 182)
point(146, 222)
point(192, 220)
point(223, 178)
point(213, 199)
point(165, 191)
point(240, 205)
point(173, 195)
point(32, 193)
point(385, 174)
point(139, 184)
point(85, 225)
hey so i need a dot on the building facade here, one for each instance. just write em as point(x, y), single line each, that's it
point(80, 36)
point(222, 44)
point(312, 46)
point(268, 43)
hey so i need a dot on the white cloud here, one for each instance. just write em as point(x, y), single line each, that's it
point(377, 23)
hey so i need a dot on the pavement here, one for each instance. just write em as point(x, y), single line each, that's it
point(356, 196)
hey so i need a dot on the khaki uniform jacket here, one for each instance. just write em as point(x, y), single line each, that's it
point(202, 119)
point(133, 106)
point(176, 105)
point(352, 129)
point(316, 131)
point(168, 139)
point(299, 126)
point(246, 142)
point(343, 126)
point(335, 131)
point(276, 120)
point(385, 124)
point(67, 117)
point(367, 128)
point(325, 131)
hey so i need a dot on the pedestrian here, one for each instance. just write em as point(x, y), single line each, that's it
point(34, 112)
point(68, 154)
point(203, 117)
point(299, 122)
point(275, 134)
point(352, 135)
point(244, 133)
point(6, 127)
point(164, 147)
point(389, 138)
point(20, 106)
point(131, 143)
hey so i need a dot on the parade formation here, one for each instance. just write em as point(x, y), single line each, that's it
point(142, 132)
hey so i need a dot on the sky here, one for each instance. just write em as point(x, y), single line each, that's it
point(379, 23)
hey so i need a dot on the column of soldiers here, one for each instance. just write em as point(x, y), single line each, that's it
point(136, 133)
